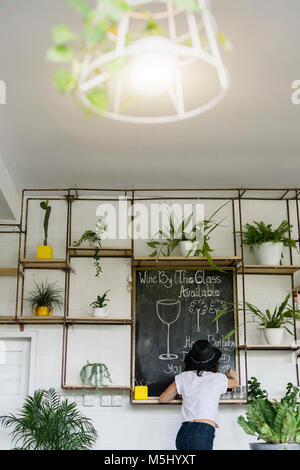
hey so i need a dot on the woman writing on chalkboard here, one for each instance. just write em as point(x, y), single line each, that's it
point(201, 385)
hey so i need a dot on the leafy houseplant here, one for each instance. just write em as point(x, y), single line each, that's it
point(44, 298)
point(45, 251)
point(278, 423)
point(100, 304)
point(266, 242)
point(47, 423)
point(94, 239)
point(100, 27)
point(198, 235)
point(275, 321)
point(95, 375)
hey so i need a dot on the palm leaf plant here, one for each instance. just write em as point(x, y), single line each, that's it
point(45, 294)
point(200, 233)
point(281, 316)
point(274, 422)
point(46, 422)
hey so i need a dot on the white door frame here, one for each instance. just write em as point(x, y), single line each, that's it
point(32, 335)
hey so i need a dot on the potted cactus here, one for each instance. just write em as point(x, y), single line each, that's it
point(276, 423)
point(45, 251)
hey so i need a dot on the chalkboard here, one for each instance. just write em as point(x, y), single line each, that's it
point(173, 309)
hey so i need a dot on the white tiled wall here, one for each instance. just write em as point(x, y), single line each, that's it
point(134, 427)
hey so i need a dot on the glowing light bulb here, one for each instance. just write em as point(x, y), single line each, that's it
point(153, 66)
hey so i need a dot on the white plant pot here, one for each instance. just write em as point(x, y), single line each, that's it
point(273, 335)
point(268, 253)
point(186, 247)
point(101, 312)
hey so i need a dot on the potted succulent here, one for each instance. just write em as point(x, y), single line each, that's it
point(95, 375)
point(45, 251)
point(267, 243)
point(48, 423)
point(44, 298)
point(192, 242)
point(101, 310)
point(273, 323)
point(277, 423)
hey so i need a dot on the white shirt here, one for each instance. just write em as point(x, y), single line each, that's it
point(201, 395)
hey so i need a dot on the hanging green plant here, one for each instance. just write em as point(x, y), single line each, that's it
point(95, 374)
point(98, 36)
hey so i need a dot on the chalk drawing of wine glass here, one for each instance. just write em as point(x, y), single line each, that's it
point(198, 307)
point(168, 312)
point(214, 309)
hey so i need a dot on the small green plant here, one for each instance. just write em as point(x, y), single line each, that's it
point(100, 301)
point(47, 423)
point(45, 294)
point(275, 423)
point(94, 237)
point(259, 233)
point(281, 316)
point(200, 232)
point(95, 374)
point(88, 236)
point(45, 206)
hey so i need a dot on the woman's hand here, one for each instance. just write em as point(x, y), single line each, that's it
point(231, 373)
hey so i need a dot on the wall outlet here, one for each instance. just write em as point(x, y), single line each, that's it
point(89, 400)
point(117, 400)
point(106, 400)
point(79, 399)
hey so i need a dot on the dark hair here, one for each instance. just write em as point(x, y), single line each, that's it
point(215, 368)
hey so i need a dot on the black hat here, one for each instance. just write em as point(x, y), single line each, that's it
point(202, 356)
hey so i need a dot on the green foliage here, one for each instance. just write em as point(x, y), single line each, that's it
point(275, 423)
point(98, 98)
point(60, 54)
point(261, 233)
point(47, 423)
point(100, 302)
point(189, 5)
point(95, 374)
point(62, 34)
point(64, 80)
point(45, 294)
point(170, 238)
point(98, 23)
point(45, 206)
point(88, 235)
point(281, 316)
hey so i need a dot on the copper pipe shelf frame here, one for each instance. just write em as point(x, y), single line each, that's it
point(133, 195)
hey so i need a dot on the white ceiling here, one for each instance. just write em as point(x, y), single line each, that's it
point(250, 139)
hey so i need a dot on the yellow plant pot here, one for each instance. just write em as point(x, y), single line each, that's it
point(43, 312)
point(44, 252)
point(141, 393)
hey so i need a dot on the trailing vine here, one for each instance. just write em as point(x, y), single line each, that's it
point(95, 374)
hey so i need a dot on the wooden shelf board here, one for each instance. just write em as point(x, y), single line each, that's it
point(201, 261)
point(34, 263)
point(155, 401)
point(269, 347)
point(88, 387)
point(88, 252)
point(40, 320)
point(7, 319)
point(263, 269)
point(97, 321)
point(10, 272)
